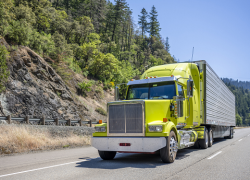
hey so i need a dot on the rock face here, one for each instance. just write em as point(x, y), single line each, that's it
point(35, 89)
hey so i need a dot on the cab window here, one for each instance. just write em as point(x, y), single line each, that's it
point(180, 90)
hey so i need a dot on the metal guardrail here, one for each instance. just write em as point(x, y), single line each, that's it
point(42, 121)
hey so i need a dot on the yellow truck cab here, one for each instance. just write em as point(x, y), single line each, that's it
point(172, 106)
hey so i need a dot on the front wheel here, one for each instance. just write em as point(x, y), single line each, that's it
point(168, 153)
point(107, 155)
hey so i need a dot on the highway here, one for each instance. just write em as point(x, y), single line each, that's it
point(226, 159)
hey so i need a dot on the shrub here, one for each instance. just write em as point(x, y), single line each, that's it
point(105, 67)
point(101, 111)
point(4, 73)
point(99, 91)
point(85, 86)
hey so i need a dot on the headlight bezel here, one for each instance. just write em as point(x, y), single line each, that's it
point(155, 128)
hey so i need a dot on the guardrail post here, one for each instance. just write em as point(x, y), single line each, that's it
point(80, 122)
point(57, 121)
point(9, 119)
point(27, 119)
point(90, 123)
point(43, 120)
point(69, 122)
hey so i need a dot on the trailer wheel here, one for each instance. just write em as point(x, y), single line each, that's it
point(168, 153)
point(210, 137)
point(232, 133)
point(204, 142)
point(231, 136)
point(107, 155)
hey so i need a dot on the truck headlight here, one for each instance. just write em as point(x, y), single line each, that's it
point(155, 128)
point(100, 129)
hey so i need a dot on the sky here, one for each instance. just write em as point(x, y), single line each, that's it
point(219, 31)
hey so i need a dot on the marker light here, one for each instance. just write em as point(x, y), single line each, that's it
point(165, 119)
point(172, 75)
point(151, 77)
point(125, 144)
point(146, 77)
point(100, 121)
point(155, 76)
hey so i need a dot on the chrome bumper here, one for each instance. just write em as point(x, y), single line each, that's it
point(137, 144)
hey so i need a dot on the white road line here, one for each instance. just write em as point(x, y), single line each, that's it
point(240, 140)
point(214, 155)
point(45, 167)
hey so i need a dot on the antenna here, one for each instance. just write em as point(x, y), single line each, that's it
point(192, 54)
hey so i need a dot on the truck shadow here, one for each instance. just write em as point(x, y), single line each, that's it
point(123, 160)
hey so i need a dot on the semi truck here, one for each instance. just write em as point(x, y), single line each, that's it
point(171, 107)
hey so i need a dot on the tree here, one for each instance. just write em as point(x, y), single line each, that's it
point(143, 21)
point(154, 25)
point(119, 8)
point(167, 46)
point(238, 120)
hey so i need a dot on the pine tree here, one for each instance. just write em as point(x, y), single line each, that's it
point(154, 25)
point(119, 9)
point(143, 21)
point(167, 46)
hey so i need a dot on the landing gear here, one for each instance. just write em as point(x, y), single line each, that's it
point(107, 155)
point(168, 153)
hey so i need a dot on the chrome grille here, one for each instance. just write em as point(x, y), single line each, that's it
point(126, 118)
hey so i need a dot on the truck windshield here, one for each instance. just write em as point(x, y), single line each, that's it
point(161, 90)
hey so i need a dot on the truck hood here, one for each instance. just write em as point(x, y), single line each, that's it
point(156, 110)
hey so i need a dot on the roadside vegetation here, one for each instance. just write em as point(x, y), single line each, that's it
point(23, 138)
point(96, 38)
point(4, 73)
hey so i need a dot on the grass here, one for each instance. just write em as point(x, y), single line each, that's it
point(101, 111)
point(58, 93)
point(21, 138)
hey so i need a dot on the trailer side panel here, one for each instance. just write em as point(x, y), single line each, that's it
point(219, 100)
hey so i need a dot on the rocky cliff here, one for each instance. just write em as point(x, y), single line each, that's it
point(35, 89)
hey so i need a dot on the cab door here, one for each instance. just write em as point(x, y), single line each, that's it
point(180, 91)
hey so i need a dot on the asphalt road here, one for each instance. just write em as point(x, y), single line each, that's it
point(226, 159)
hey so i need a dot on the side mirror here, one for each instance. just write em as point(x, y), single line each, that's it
point(190, 88)
point(116, 93)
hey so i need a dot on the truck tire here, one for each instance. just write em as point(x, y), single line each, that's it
point(231, 136)
point(204, 142)
point(168, 153)
point(210, 137)
point(196, 144)
point(107, 155)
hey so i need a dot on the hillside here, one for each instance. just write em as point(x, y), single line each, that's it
point(242, 101)
point(62, 58)
point(237, 83)
point(34, 88)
